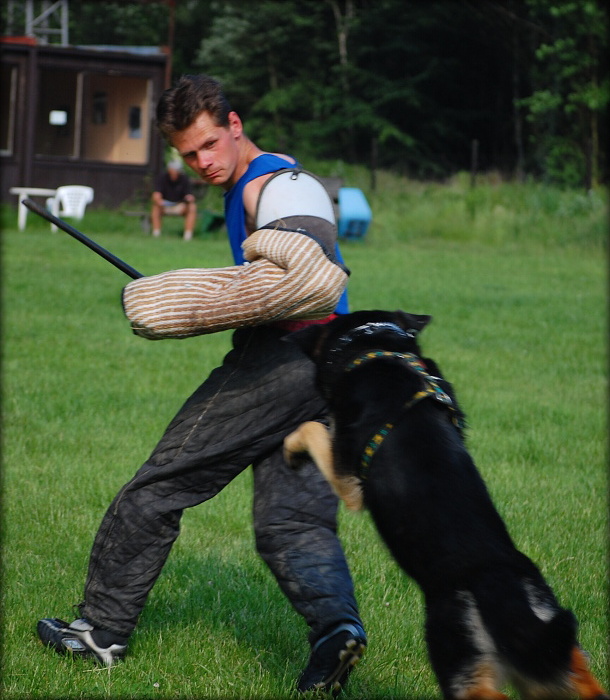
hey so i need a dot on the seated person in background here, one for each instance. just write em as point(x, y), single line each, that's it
point(173, 196)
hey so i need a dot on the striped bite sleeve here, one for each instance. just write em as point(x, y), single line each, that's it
point(288, 277)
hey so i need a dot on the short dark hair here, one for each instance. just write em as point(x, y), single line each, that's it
point(181, 104)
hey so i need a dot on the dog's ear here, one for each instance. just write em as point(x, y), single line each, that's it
point(306, 338)
point(412, 322)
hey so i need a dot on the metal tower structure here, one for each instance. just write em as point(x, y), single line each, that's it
point(44, 20)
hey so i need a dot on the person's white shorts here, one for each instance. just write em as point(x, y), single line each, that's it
point(175, 208)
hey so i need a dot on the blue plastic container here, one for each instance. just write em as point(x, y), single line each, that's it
point(354, 213)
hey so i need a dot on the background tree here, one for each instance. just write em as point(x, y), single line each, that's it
point(129, 24)
point(571, 90)
point(408, 85)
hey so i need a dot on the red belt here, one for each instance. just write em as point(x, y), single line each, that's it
point(297, 325)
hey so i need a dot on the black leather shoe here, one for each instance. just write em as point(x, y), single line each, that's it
point(332, 659)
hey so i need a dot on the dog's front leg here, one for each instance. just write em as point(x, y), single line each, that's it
point(314, 438)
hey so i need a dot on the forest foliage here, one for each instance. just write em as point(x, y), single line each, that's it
point(423, 88)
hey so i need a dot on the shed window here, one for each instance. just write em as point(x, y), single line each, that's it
point(57, 95)
point(135, 122)
point(99, 108)
point(58, 117)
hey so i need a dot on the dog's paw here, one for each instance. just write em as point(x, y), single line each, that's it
point(295, 460)
point(295, 455)
point(351, 493)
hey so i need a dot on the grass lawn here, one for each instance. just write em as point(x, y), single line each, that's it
point(515, 281)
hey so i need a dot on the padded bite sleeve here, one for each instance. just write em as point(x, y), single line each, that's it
point(289, 276)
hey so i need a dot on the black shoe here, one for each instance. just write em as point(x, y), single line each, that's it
point(77, 638)
point(332, 659)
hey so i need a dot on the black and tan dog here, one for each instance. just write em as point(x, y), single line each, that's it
point(396, 446)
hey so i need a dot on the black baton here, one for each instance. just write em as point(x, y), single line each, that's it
point(107, 255)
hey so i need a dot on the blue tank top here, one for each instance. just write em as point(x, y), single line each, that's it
point(235, 214)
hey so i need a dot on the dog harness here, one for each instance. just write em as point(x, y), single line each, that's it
point(431, 390)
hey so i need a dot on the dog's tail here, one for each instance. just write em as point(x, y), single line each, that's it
point(528, 627)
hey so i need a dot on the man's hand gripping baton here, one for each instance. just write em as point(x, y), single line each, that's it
point(117, 262)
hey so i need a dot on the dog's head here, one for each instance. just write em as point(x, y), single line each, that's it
point(352, 333)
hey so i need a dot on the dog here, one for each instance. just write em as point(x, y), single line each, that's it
point(396, 446)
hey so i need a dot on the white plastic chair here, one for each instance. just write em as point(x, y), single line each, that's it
point(70, 200)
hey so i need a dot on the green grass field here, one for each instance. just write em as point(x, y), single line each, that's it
point(514, 277)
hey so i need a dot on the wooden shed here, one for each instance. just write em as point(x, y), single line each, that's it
point(73, 115)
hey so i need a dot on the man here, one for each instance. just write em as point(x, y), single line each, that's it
point(173, 196)
point(238, 417)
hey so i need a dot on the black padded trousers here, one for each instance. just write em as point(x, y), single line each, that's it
point(238, 417)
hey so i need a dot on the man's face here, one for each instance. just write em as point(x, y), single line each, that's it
point(211, 150)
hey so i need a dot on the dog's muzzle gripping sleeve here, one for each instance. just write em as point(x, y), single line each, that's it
point(288, 276)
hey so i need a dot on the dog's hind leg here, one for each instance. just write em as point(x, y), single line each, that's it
point(478, 680)
point(463, 655)
point(314, 438)
point(575, 682)
point(584, 684)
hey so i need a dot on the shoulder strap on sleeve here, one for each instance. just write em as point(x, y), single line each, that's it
point(296, 199)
